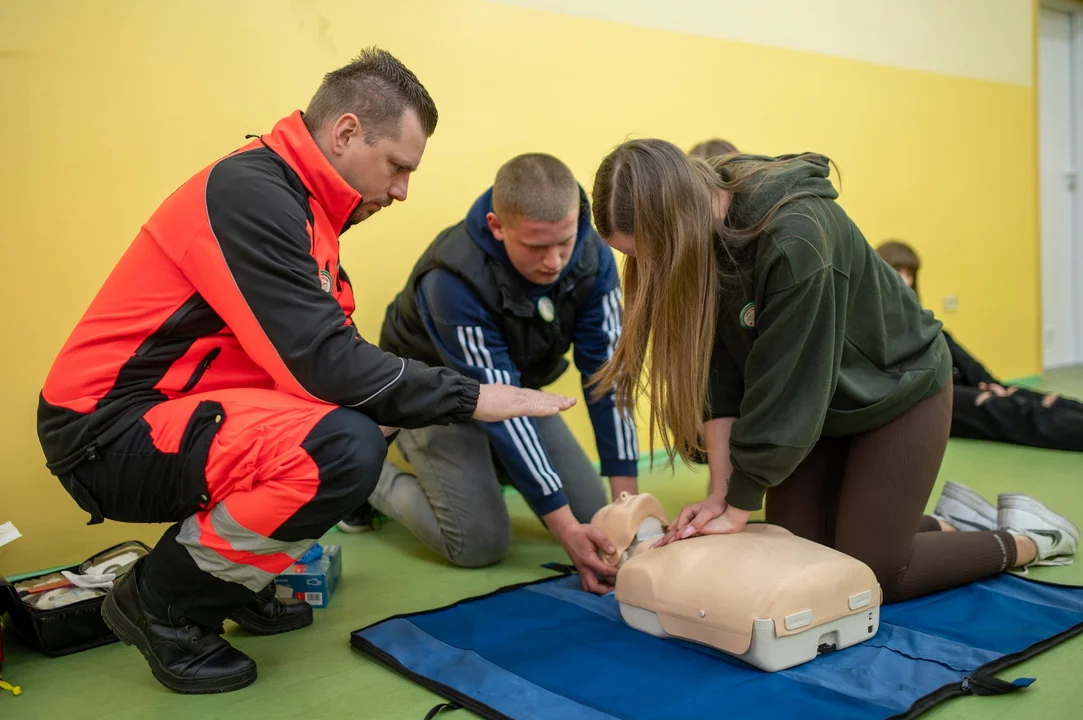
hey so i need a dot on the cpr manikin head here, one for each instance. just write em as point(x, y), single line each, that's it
point(632, 523)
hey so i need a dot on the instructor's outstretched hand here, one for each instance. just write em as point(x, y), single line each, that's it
point(503, 402)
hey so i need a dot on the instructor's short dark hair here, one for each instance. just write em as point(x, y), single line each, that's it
point(377, 88)
point(534, 186)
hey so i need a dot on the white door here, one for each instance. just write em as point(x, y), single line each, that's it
point(1062, 253)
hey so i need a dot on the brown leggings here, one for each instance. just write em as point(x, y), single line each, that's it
point(864, 496)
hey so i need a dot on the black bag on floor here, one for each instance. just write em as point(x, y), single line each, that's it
point(68, 628)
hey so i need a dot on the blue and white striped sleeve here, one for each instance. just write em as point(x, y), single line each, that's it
point(597, 330)
point(470, 342)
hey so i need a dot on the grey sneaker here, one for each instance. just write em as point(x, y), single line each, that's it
point(1057, 537)
point(964, 509)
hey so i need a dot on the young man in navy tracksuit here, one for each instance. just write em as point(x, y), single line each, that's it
point(501, 297)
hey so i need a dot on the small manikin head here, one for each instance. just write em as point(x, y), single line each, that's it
point(632, 523)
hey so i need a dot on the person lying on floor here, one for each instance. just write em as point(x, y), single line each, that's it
point(985, 407)
point(740, 270)
point(502, 296)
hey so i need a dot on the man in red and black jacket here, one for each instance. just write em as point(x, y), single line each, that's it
point(217, 380)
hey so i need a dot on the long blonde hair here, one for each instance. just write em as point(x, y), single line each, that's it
point(686, 261)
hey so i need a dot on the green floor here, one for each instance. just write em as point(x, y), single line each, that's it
point(315, 673)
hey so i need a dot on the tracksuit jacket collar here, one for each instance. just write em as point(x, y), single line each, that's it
point(477, 226)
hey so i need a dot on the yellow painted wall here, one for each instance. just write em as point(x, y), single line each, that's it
point(109, 106)
point(982, 39)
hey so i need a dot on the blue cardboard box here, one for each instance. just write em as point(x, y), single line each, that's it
point(313, 582)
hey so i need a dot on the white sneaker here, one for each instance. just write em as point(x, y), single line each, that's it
point(964, 509)
point(1057, 537)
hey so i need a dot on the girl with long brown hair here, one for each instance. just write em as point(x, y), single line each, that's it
point(766, 332)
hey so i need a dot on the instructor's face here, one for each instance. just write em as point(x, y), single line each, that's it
point(380, 171)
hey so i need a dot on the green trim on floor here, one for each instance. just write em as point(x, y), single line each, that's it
point(1029, 381)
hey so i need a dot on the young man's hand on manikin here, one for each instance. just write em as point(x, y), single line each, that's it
point(582, 542)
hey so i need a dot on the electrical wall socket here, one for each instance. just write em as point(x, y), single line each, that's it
point(951, 303)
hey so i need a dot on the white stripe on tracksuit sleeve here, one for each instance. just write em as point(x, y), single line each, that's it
point(520, 430)
point(595, 337)
point(470, 342)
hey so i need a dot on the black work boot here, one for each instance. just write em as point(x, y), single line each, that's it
point(183, 656)
point(267, 614)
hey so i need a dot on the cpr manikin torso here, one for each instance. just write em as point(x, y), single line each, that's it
point(764, 595)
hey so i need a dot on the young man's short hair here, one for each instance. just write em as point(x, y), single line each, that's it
point(534, 186)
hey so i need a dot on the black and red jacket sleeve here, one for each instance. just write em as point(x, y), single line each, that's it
point(255, 267)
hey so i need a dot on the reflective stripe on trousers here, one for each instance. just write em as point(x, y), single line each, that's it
point(224, 548)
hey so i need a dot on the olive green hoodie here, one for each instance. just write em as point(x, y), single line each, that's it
point(820, 339)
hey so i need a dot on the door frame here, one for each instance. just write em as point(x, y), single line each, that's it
point(1073, 8)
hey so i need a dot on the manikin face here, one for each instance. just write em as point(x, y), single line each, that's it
point(539, 251)
point(638, 519)
point(380, 171)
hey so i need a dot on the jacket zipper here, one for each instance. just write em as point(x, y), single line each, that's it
point(200, 369)
point(171, 324)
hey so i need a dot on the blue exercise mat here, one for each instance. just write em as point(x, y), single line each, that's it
point(546, 650)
